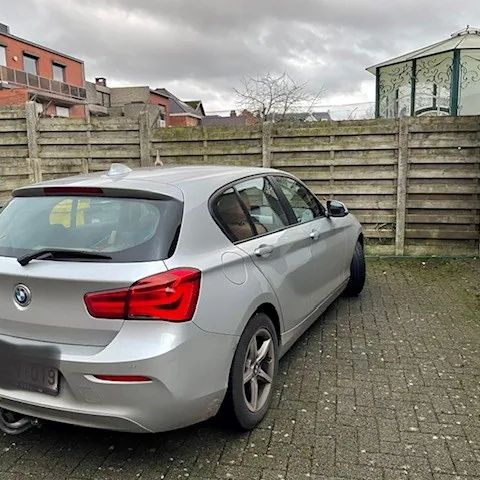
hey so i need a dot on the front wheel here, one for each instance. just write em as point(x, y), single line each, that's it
point(357, 272)
point(253, 371)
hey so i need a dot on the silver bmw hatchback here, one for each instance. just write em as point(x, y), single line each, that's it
point(148, 300)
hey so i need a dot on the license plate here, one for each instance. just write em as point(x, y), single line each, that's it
point(36, 378)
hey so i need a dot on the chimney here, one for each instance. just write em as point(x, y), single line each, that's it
point(4, 28)
point(102, 81)
point(233, 113)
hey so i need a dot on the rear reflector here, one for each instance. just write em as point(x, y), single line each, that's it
point(123, 378)
point(170, 296)
point(72, 191)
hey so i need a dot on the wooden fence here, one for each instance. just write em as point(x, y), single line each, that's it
point(413, 183)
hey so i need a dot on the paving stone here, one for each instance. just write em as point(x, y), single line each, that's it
point(385, 386)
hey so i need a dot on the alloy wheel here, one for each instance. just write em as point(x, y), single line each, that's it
point(259, 369)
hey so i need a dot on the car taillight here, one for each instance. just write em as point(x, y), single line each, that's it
point(170, 296)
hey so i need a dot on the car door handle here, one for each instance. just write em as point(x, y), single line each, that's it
point(315, 234)
point(263, 251)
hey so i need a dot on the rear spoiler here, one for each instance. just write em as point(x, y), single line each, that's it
point(168, 192)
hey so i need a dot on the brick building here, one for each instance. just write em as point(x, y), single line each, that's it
point(127, 101)
point(55, 81)
point(182, 114)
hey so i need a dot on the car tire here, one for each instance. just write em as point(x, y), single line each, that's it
point(357, 272)
point(242, 406)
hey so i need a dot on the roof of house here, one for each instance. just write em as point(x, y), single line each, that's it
point(197, 105)
point(177, 106)
point(238, 120)
point(302, 116)
point(466, 38)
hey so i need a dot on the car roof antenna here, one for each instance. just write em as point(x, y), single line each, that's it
point(117, 169)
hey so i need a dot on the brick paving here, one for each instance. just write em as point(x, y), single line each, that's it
point(386, 386)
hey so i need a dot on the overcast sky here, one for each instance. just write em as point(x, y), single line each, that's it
point(199, 49)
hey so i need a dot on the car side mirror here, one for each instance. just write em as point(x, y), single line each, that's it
point(336, 209)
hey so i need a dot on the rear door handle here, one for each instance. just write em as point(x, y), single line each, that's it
point(315, 234)
point(263, 251)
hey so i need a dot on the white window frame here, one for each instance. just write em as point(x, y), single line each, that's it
point(30, 57)
point(63, 112)
point(3, 55)
point(61, 68)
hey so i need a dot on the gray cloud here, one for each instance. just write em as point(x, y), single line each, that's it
point(200, 48)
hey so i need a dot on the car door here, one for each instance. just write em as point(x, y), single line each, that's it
point(254, 218)
point(326, 235)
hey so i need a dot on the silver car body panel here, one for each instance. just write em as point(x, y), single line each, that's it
point(189, 363)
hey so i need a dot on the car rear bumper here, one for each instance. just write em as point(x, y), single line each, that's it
point(189, 370)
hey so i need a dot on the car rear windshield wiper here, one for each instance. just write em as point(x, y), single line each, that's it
point(60, 254)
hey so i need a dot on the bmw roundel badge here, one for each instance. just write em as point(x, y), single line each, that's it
point(22, 295)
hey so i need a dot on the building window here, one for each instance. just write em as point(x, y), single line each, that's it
point(3, 55)
point(160, 118)
point(62, 111)
point(30, 64)
point(58, 72)
point(106, 102)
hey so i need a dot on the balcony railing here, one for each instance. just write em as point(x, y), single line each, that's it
point(19, 77)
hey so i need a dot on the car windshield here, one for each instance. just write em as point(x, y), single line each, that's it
point(127, 230)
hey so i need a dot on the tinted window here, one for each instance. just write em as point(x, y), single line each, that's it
point(304, 204)
point(262, 204)
point(128, 230)
point(232, 216)
point(30, 64)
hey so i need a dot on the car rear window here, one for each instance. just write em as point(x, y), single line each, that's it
point(125, 229)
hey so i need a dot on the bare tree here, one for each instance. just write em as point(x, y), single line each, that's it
point(273, 96)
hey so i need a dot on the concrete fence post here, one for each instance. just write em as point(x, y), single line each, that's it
point(32, 139)
point(402, 177)
point(205, 144)
point(267, 144)
point(145, 139)
point(86, 162)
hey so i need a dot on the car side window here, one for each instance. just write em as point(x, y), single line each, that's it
point(232, 216)
point(262, 203)
point(304, 204)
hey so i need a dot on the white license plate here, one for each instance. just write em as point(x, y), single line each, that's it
point(36, 378)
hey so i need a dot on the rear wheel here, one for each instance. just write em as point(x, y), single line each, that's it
point(252, 374)
point(357, 272)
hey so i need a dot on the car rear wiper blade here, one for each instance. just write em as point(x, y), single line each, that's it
point(60, 254)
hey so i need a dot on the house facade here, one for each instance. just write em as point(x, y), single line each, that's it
point(31, 72)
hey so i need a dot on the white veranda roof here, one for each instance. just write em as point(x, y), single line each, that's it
point(466, 38)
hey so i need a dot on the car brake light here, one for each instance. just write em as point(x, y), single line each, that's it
point(123, 378)
point(72, 191)
point(170, 296)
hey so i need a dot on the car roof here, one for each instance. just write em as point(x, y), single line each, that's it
point(163, 180)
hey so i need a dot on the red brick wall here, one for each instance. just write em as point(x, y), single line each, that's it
point(76, 111)
point(19, 96)
point(183, 121)
point(156, 99)
point(74, 73)
point(74, 70)
point(13, 96)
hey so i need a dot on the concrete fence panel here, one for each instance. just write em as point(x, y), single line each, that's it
point(414, 183)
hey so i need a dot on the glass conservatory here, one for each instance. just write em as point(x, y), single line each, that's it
point(442, 79)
